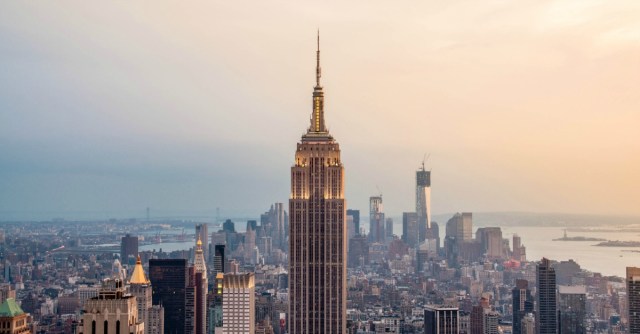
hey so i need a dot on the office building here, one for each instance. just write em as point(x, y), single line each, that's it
point(140, 287)
point(238, 304)
point(219, 259)
point(169, 279)
point(522, 304)
point(376, 220)
point(633, 298)
point(317, 238)
point(356, 219)
point(441, 320)
point(410, 229)
point(13, 320)
point(358, 251)
point(491, 240)
point(546, 306)
point(128, 249)
point(111, 312)
point(572, 309)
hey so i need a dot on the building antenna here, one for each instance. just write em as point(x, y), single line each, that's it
point(379, 192)
point(424, 159)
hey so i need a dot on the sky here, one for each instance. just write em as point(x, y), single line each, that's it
point(109, 108)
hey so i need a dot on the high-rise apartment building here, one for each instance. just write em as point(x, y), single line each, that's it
point(633, 298)
point(128, 248)
point(376, 220)
point(410, 229)
point(522, 304)
point(572, 309)
point(238, 304)
point(546, 307)
point(317, 238)
point(169, 279)
point(202, 233)
point(441, 320)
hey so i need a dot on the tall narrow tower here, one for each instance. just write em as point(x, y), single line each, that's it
point(317, 238)
point(200, 269)
point(423, 202)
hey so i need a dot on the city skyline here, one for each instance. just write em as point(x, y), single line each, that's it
point(533, 101)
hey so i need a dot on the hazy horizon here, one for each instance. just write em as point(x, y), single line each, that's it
point(531, 106)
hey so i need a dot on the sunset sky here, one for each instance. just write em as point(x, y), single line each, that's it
point(111, 107)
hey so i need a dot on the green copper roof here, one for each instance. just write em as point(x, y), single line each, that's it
point(10, 309)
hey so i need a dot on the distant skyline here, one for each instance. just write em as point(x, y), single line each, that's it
point(531, 106)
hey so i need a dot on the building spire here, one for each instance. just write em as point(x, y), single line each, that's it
point(318, 73)
point(317, 116)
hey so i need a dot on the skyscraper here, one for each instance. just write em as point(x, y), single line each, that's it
point(522, 304)
point(201, 286)
point(410, 229)
point(572, 309)
point(356, 219)
point(128, 249)
point(423, 200)
point(238, 304)
point(140, 287)
point(633, 296)
point(219, 259)
point(317, 238)
point(376, 219)
point(441, 320)
point(546, 314)
point(203, 234)
point(169, 279)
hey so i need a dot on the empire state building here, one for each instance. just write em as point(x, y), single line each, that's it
point(317, 236)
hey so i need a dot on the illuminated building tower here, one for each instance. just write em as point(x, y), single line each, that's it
point(200, 306)
point(238, 304)
point(522, 304)
point(13, 320)
point(202, 233)
point(376, 219)
point(317, 238)
point(423, 200)
point(633, 297)
point(111, 312)
point(169, 279)
point(546, 314)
